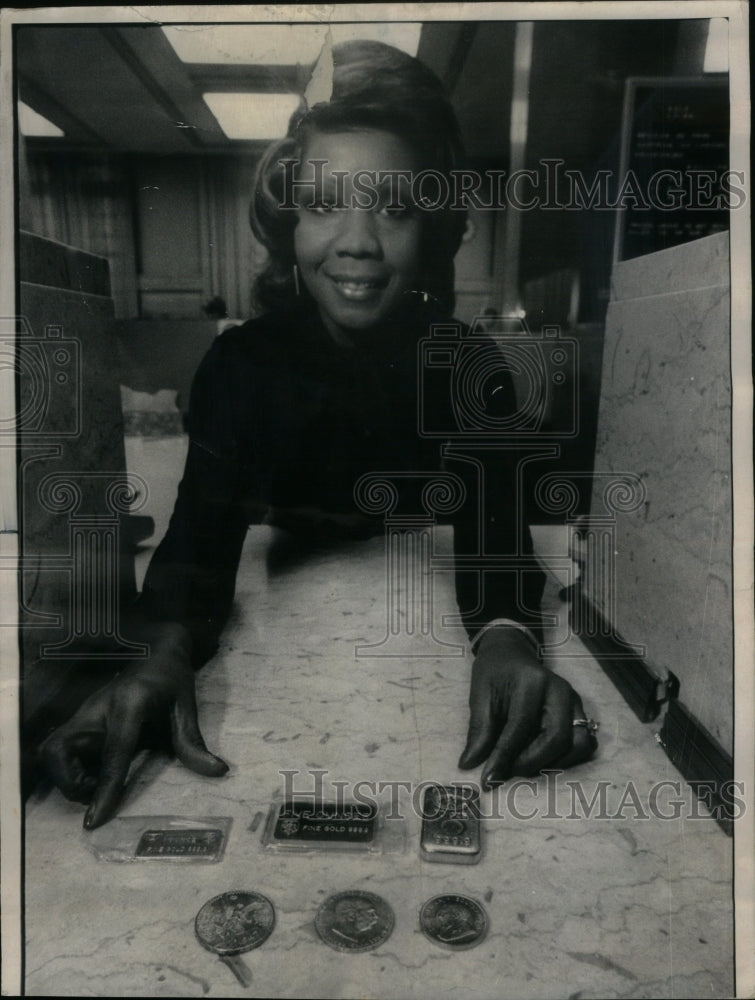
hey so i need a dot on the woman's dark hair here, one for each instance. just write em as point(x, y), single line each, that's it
point(374, 86)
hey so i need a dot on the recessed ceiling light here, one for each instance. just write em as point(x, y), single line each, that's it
point(252, 116)
point(278, 44)
point(33, 125)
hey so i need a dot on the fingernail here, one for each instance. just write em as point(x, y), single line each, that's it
point(89, 818)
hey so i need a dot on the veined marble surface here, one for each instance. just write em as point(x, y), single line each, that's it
point(608, 906)
point(665, 417)
point(696, 264)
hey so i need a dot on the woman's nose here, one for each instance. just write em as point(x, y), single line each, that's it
point(357, 234)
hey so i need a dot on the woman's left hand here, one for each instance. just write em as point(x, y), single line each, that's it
point(521, 714)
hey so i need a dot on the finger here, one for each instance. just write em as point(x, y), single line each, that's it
point(64, 755)
point(483, 730)
point(521, 727)
point(584, 746)
point(584, 741)
point(121, 744)
point(556, 735)
point(188, 743)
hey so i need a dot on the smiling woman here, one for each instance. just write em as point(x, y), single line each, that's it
point(377, 91)
point(348, 558)
point(357, 262)
point(293, 412)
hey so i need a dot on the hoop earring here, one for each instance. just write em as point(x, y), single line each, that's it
point(426, 296)
point(296, 280)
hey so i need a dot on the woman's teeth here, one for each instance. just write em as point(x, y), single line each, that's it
point(357, 289)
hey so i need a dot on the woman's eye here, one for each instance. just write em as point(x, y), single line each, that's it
point(323, 207)
point(395, 211)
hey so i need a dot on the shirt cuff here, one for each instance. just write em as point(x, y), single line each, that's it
point(505, 623)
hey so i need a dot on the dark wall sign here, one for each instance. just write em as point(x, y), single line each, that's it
point(674, 184)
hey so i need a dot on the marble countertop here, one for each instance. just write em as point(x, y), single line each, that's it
point(614, 905)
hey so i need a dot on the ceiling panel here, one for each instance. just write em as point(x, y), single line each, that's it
point(96, 78)
point(124, 88)
point(153, 59)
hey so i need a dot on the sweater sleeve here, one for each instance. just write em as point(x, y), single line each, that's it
point(192, 576)
point(497, 575)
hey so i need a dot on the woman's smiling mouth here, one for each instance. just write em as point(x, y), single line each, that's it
point(357, 289)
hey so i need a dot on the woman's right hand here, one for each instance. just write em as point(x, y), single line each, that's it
point(89, 756)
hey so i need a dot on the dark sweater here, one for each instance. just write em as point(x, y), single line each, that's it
point(282, 424)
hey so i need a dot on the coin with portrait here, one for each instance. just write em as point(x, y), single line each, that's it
point(354, 921)
point(453, 921)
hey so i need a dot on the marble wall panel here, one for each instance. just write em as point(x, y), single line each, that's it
point(665, 417)
point(77, 558)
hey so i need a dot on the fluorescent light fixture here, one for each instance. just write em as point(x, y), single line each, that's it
point(717, 46)
point(33, 125)
point(278, 44)
point(252, 116)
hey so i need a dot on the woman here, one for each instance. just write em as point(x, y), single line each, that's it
point(291, 409)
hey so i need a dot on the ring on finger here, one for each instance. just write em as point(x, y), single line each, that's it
point(590, 725)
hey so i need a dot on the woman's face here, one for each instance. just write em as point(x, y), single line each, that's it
point(356, 262)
